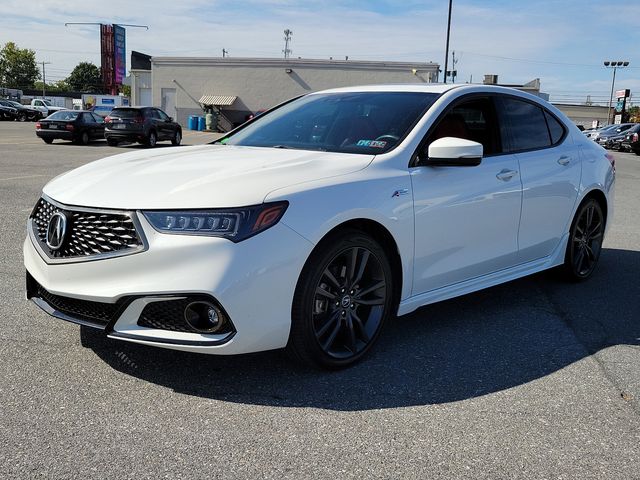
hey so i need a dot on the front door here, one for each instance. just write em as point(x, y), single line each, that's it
point(466, 218)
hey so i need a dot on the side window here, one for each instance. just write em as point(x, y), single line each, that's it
point(556, 130)
point(97, 118)
point(161, 115)
point(473, 119)
point(85, 118)
point(527, 125)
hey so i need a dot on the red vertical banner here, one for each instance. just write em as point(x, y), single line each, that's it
point(107, 57)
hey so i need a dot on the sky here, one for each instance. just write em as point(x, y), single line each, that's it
point(562, 42)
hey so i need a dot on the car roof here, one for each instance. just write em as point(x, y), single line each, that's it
point(396, 87)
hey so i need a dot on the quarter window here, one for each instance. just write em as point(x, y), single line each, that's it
point(527, 125)
point(556, 130)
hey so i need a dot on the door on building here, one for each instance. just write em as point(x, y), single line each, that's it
point(169, 102)
point(145, 97)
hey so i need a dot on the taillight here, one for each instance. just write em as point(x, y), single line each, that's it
point(38, 125)
point(612, 160)
point(634, 137)
point(107, 119)
point(69, 127)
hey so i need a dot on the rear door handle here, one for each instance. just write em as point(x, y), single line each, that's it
point(564, 160)
point(506, 175)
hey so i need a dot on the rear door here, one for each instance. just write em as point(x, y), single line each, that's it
point(550, 167)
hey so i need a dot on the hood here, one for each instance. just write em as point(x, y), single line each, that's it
point(205, 176)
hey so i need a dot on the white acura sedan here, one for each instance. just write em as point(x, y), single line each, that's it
point(311, 226)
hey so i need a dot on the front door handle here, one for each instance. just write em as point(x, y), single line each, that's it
point(564, 160)
point(506, 175)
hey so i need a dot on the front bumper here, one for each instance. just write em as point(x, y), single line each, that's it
point(253, 281)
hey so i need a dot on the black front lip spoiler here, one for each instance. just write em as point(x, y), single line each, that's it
point(63, 316)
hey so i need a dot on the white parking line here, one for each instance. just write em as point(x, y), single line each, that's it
point(24, 176)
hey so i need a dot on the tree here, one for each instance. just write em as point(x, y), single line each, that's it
point(18, 68)
point(59, 86)
point(85, 77)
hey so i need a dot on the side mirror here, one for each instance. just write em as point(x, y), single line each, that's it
point(170, 119)
point(454, 152)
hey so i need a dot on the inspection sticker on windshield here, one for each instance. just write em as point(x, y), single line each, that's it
point(371, 143)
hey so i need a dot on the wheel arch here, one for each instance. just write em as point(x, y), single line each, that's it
point(600, 197)
point(383, 236)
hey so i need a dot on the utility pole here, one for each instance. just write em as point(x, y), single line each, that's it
point(287, 40)
point(44, 78)
point(225, 53)
point(446, 53)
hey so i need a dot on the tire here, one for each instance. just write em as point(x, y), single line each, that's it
point(84, 138)
point(151, 140)
point(342, 300)
point(585, 241)
point(637, 152)
point(177, 138)
point(112, 142)
point(48, 140)
point(22, 117)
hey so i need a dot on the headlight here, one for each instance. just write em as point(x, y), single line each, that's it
point(236, 224)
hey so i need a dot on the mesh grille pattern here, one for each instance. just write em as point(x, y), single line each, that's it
point(169, 315)
point(95, 312)
point(88, 233)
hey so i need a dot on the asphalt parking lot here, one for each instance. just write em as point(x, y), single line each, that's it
point(532, 379)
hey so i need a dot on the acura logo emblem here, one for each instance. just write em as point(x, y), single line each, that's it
point(56, 230)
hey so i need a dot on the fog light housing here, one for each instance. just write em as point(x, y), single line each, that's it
point(204, 317)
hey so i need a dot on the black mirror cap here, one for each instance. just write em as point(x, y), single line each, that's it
point(452, 162)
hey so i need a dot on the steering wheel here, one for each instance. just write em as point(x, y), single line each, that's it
point(387, 138)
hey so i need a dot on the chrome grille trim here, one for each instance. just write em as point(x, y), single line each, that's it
point(96, 233)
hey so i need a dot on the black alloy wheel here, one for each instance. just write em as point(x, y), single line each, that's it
point(84, 138)
point(177, 138)
point(343, 298)
point(585, 241)
point(152, 139)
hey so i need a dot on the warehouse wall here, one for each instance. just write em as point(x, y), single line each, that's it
point(262, 83)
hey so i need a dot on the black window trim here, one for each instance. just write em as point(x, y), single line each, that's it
point(544, 109)
point(415, 157)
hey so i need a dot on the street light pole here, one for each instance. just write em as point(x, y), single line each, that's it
point(615, 65)
point(446, 53)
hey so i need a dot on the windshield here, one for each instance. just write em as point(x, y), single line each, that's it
point(47, 103)
point(360, 122)
point(68, 115)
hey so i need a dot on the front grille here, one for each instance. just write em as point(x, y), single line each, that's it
point(89, 232)
point(169, 315)
point(97, 313)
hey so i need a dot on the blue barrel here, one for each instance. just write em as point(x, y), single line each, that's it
point(192, 123)
point(201, 123)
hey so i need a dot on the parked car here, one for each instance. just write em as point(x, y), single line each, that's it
point(23, 112)
point(79, 126)
point(146, 125)
point(612, 132)
point(45, 107)
point(8, 112)
point(313, 225)
point(631, 142)
point(595, 132)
